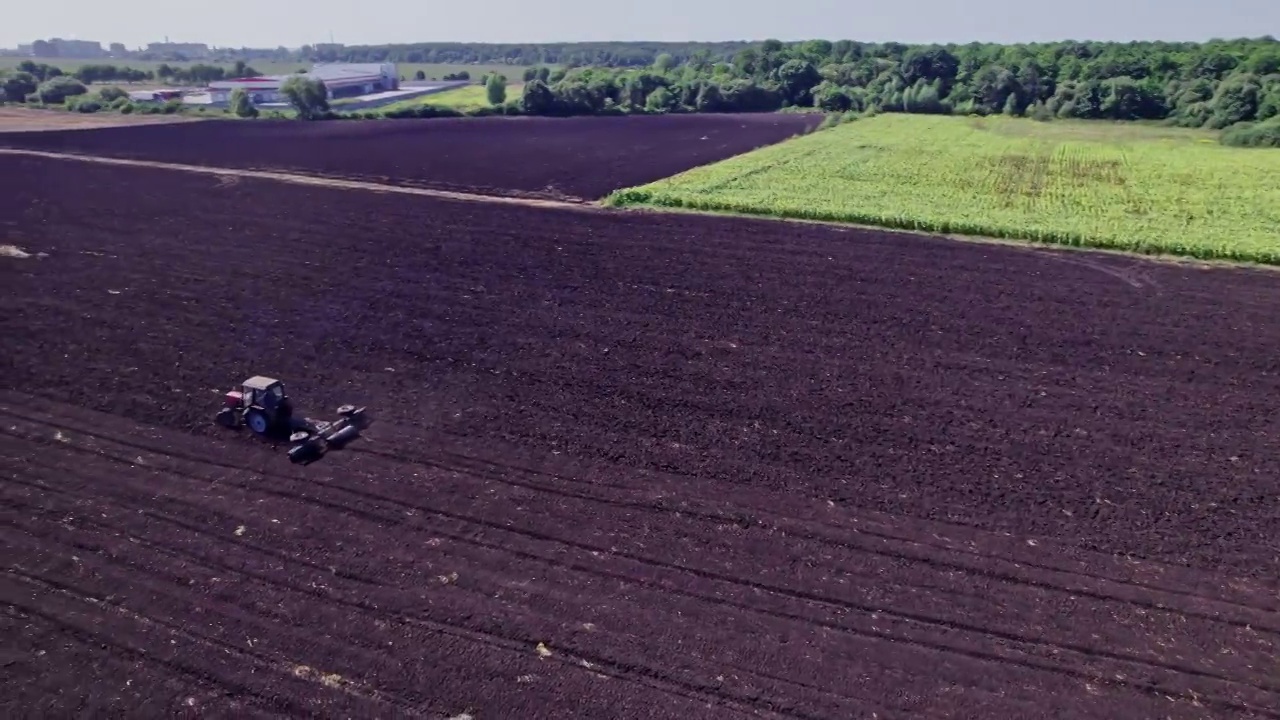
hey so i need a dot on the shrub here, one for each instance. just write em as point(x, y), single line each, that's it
point(17, 86)
point(111, 94)
point(1249, 134)
point(241, 105)
point(496, 89)
point(57, 90)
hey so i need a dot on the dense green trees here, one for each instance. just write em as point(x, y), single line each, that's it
point(241, 105)
point(308, 96)
point(1215, 84)
point(1218, 84)
point(56, 90)
point(201, 74)
point(19, 83)
point(17, 86)
point(495, 87)
point(110, 73)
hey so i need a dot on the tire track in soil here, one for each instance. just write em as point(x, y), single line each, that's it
point(1252, 620)
point(1006, 570)
point(744, 670)
point(1239, 623)
point(37, 689)
point(595, 664)
point(1218, 607)
point(881, 675)
point(598, 666)
point(506, 643)
point(516, 646)
point(42, 648)
point(384, 499)
point(115, 630)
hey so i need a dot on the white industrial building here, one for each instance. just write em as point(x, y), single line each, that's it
point(341, 80)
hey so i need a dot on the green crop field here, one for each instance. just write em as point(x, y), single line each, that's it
point(462, 99)
point(1127, 186)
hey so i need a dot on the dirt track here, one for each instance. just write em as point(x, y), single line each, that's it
point(575, 158)
point(230, 176)
point(718, 467)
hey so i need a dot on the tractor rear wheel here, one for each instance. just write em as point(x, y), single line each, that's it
point(257, 421)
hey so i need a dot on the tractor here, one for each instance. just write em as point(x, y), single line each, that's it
point(262, 405)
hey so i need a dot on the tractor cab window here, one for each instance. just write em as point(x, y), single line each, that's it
point(271, 396)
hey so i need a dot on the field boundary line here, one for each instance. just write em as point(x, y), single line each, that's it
point(313, 180)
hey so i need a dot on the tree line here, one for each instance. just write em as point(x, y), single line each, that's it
point(24, 82)
point(1218, 84)
point(1215, 85)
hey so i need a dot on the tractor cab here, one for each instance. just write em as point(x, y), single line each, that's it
point(260, 403)
point(264, 392)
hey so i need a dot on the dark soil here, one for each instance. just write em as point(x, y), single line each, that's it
point(717, 467)
point(586, 157)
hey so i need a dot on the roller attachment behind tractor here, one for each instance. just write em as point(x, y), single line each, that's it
point(328, 435)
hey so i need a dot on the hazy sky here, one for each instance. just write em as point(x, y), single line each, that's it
point(268, 23)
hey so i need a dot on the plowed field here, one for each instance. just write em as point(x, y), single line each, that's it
point(622, 465)
point(586, 157)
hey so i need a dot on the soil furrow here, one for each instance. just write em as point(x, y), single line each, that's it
point(880, 603)
point(503, 473)
point(1127, 678)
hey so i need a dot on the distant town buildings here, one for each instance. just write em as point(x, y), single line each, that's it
point(165, 51)
point(59, 47)
point(191, 51)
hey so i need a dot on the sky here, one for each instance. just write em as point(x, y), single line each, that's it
point(270, 23)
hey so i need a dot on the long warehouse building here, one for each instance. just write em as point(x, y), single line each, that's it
point(341, 80)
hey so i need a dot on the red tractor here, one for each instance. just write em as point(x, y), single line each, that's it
point(261, 404)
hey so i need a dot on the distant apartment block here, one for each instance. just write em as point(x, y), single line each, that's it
point(187, 50)
point(59, 47)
